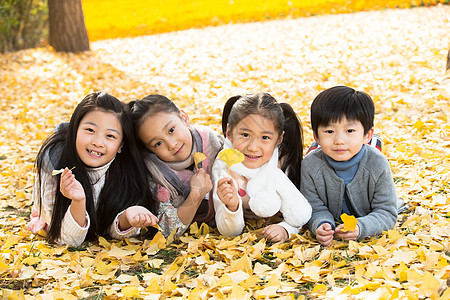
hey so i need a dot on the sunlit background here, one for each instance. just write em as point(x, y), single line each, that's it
point(122, 18)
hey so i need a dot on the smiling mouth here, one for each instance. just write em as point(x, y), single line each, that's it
point(94, 153)
point(179, 150)
point(252, 157)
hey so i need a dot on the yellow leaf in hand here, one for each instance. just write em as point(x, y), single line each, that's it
point(349, 222)
point(198, 158)
point(231, 157)
point(56, 172)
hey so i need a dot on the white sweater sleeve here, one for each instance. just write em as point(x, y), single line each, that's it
point(48, 191)
point(116, 233)
point(71, 233)
point(228, 223)
point(290, 229)
point(295, 208)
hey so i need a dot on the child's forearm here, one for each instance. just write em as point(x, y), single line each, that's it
point(78, 211)
point(123, 222)
point(188, 209)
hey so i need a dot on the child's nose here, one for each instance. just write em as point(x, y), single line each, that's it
point(172, 143)
point(252, 145)
point(339, 139)
point(98, 141)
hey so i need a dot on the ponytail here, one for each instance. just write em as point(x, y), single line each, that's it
point(226, 112)
point(291, 149)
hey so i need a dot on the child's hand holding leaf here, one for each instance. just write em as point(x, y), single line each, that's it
point(231, 157)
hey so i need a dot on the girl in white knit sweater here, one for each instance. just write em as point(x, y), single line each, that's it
point(267, 182)
point(90, 177)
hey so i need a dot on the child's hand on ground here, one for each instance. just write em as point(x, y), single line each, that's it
point(324, 234)
point(201, 183)
point(275, 233)
point(70, 187)
point(137, 216)
point(227, 193)
point(347, 235)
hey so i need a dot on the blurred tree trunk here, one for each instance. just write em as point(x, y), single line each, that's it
point(67, 31)
point(448, 59)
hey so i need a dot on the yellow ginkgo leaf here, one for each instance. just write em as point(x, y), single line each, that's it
point(31, 260)
point(102, 268)
point(56, 172)
point(231, 157)
point(130, 292)
point(198, 158)
point(349, 222)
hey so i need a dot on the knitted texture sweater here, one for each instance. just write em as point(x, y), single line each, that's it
point(71, 232)
point(371, 193)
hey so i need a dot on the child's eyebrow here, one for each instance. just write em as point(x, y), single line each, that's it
point(164, 127)
point(95, 125)
point(167, 124)
point(90, 123)
point(115, 130)
point(264, 131)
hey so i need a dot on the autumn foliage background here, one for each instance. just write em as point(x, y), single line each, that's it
point(396, 55)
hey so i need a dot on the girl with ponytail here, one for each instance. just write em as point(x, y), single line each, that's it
point(267, 182)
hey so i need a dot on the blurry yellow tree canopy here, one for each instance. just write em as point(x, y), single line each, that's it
point(120, 18)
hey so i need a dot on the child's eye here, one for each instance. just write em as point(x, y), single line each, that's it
point(157, 144)
point(329, 131)
point(111, 136)
point(266, 137)
point(351, 130)
point(89, 130)
point(171, 130)
point(245, 134)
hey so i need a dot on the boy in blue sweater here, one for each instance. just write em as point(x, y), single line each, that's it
point(344, 175)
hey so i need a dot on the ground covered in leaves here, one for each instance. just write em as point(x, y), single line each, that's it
point(397, 56)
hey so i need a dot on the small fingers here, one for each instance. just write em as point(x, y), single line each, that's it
point(67, 177)
point(327, 243)
point(201, 171)
point(325, 240)
point(138, 220)
point(154, 220)
point(225, 191)
point(222, 181)
point(144, 220)
point(275, 233)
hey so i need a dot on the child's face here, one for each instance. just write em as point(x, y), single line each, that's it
point(99, 138)
point(342, 140)
point(167, 135)
point(257, 138)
